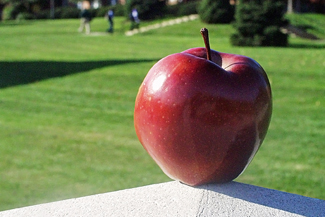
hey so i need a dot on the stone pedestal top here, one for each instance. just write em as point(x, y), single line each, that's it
point(176, 199)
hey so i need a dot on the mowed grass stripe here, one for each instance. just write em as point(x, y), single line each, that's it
point(66, 121)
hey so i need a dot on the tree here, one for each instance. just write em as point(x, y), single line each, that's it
point(25, 3)
point(290, 6)
point(216, 11)
point(258, 23)
point(317, 6)
point(147, 9)
point(15, 7)
point(17, 1)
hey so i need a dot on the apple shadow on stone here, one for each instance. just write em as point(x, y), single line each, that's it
point(25, 72)
point(284, 201)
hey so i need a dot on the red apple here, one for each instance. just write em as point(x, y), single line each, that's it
point(202, 114)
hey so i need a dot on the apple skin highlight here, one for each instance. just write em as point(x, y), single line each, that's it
point(202, 121)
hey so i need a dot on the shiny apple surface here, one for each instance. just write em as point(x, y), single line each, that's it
point(203, 121)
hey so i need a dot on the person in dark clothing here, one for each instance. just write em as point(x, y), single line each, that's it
point(135, 21)
point(110, 16)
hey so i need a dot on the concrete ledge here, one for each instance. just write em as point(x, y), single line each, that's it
point(176, 199)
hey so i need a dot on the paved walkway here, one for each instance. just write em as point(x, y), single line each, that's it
point(163, 24)
point(298, 32)
point(288, 29)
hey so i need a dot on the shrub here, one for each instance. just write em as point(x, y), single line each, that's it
point(92, 11)
point(183, 9)
point(25, 16)
point(69, 12)
point(216, 11)
point(10, 11)
point(172, 10)
point(147, 9)
point(63, 13)
point(274, 37)
point(101, 12)
point(57, 13)
point(45, 14)
point(258, 23)
point(119, 10)
point(188, 8)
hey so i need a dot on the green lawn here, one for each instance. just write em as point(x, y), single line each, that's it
point(67, 99)
point(312, 23)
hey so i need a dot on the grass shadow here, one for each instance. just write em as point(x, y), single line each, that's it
point(25, 72)
point(13, 23)
point(308, 46)
point(305, 27)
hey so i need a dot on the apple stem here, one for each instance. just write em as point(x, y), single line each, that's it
point(205, 35)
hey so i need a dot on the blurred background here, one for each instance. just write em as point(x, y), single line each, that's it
point(67, 94)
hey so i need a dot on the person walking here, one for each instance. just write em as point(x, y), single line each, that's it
point(110, 16)
point(135, 21)
point(85, 18)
